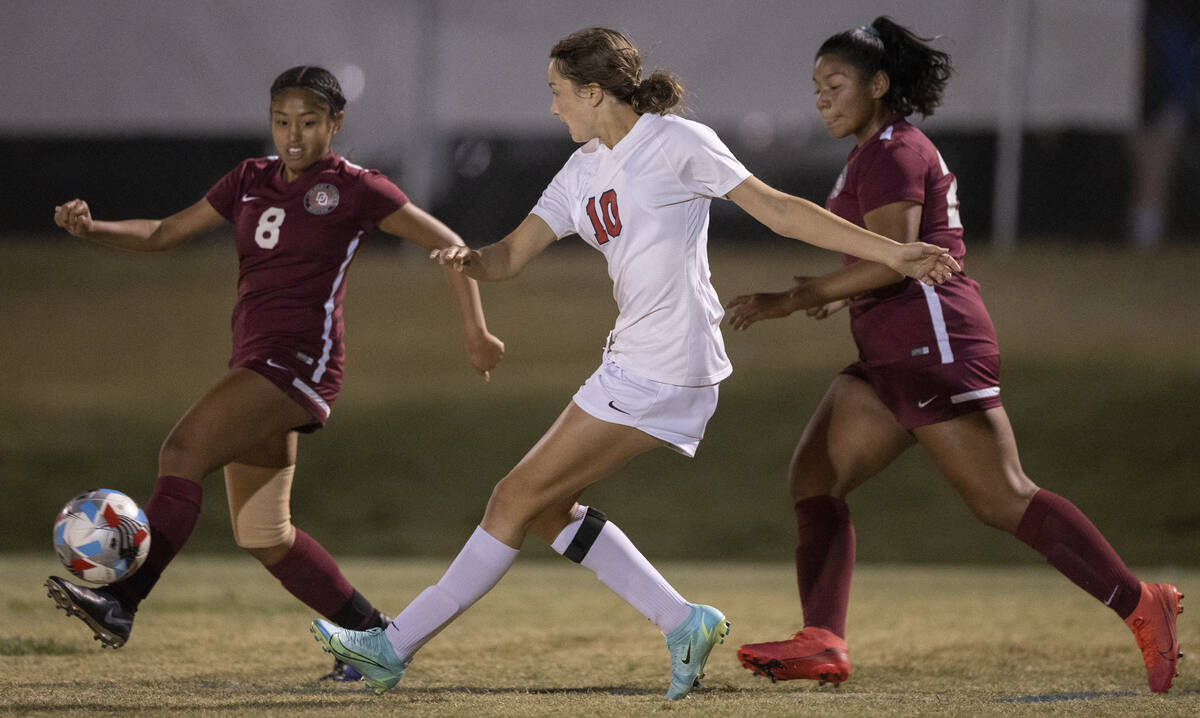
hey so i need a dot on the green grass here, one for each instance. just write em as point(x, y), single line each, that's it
point(220, 637)
point(106, 350)
point(21, 646)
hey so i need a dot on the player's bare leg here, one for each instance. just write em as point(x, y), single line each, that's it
point(539, 494)
point(851, 437)
point(241, 411)
point(575, 452)
point(977, 454)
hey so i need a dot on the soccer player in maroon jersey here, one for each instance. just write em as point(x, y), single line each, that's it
point(299, 218)
point(928, 371)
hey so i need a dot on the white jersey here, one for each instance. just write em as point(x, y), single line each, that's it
point(644, 205)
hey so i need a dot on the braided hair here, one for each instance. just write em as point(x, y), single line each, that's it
point(316, 80)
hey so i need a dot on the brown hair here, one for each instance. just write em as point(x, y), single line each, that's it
point(608, 59)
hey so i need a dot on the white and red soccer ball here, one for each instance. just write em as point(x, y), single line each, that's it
point(102, 536)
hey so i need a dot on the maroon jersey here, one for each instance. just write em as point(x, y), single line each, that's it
point(295, 241)
point(910, 321)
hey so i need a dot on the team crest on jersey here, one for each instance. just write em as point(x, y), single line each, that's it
point(321, 199)
point(837, 186)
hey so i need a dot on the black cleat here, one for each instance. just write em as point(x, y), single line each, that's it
point(104, 613)
point(342, 673)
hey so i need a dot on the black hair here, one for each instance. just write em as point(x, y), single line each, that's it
point(609, 59)
point(317, 80)
point(917, 72)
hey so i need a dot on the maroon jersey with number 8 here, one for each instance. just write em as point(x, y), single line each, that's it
point(295, 241)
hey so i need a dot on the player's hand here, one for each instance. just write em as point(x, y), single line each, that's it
point(455, 257)
point(750, 308)
point(485, 350)
point(75, 217)
point(926, 263)
point(822, 311)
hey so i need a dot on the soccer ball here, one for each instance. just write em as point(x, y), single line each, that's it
point(102, 536)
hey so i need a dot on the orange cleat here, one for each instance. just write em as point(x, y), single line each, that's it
point(1153, 625)
point(812, 653)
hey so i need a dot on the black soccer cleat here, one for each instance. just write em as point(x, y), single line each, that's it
point(342, 673)
point(109, 619)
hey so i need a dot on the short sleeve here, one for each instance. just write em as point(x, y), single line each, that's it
point(554, 206)
point(895, 174)
point(379, 197)
point(223, 195)
point(702, 161)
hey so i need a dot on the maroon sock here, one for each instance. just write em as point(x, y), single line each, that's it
point(310, 574)
point(824, 561)
point(172, 510)
point(1058, 530)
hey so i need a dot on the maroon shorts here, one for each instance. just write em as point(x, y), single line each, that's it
point(293, 377)
point(930, 393)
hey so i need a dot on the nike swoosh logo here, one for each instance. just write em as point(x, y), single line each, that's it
point(617, 408)
point(704, 630)
point(1168, 654)
point(277, 366)
point(343, 652)
point(923, 404)
point(248, 198)
point(113, 620)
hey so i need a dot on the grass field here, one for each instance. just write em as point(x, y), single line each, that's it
point(220, 637)
point(106, 350)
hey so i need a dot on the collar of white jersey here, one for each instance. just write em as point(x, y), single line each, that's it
point(639, 127)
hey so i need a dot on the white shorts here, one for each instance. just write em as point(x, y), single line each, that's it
point(675, 414)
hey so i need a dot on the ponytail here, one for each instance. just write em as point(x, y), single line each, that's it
point(917, 73)
point(610, 60)
point(658, 94)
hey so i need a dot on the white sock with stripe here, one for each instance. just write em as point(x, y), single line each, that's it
point(479, 566)
point(620, 566)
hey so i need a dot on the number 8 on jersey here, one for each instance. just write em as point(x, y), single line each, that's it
point(266, 235)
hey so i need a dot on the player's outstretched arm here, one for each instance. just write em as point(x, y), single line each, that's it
point(800, 219)
point(826, 294)
point(818, 296)
point(137, 235)
point(416, 225)
point(504, 259)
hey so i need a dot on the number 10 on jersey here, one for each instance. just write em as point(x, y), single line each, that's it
point(606, 219)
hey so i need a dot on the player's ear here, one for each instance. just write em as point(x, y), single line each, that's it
point(880, 84)
point(337, 120)
point(594, 93)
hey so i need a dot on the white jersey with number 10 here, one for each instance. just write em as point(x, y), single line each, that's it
point(644, 204)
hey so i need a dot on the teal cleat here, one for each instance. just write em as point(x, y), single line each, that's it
point(689, 646)
point(369, 652)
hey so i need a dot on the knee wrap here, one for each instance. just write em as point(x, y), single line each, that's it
point(593, 522)
point(259, 505)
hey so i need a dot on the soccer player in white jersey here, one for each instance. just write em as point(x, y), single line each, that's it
point(638, 190)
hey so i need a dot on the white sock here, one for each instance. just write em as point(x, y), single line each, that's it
point(620, 566)
point(479, 566)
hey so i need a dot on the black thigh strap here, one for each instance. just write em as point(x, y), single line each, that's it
point(593, 521)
